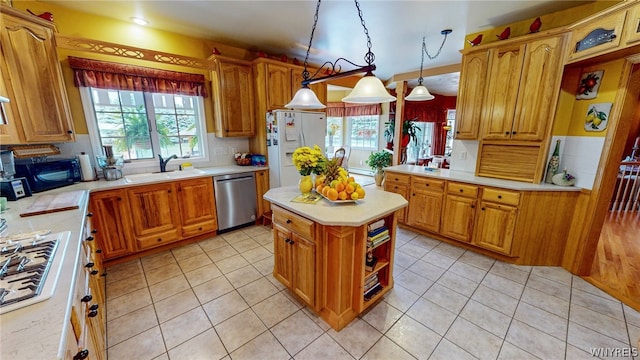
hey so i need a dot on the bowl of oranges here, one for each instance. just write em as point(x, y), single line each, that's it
point(343, 189)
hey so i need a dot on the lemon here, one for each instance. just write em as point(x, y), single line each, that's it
point(597, 121)
point(355, 196)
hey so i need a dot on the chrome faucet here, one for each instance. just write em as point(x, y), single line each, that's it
point(163, 162)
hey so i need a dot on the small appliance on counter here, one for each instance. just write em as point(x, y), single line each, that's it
point(41, 172)
point(10, 187)
point(111, 165)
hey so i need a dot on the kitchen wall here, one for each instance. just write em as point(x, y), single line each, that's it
point(580, 150)
point(73, 23)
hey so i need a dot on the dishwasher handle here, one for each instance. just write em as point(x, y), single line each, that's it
point(245, 178)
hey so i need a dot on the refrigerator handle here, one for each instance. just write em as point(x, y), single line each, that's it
point(302, 140)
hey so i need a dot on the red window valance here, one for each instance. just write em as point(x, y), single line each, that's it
point(108, 75)
point(340, 109)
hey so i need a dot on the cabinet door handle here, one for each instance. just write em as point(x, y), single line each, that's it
point(69, 132)
point(288, 221)
point(98, 251)
point(81, 355)
point(89, 238)
point(94, 231)
point(291, 242)
point(93, 313)
point(89, 265)
point(513, 133)
point(86, 298)
point(94, 307)
point(89, 214)
point(94, 272)
point(473, 206)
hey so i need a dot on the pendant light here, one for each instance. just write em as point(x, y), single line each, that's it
point(368, 90)
point(420, 92)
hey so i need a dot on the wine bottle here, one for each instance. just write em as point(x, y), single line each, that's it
point(554, 164)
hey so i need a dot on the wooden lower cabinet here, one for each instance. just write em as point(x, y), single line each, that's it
point(112, 220)
point(294, 263)
point(154, 215)
point(262, 186)
point(197, 206)
point(399, 184)
point(458, 217)
point(523, 227)
point(425, 207)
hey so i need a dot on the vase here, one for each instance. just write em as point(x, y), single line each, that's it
point(305, 184)
point(378, 177)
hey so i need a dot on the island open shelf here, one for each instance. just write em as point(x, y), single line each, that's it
point(320, 251)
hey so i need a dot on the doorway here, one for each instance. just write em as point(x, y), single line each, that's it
point(614, 268)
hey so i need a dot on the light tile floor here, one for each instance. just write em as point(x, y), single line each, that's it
point(217, 299)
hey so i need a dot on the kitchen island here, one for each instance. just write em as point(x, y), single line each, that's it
point(320, 251)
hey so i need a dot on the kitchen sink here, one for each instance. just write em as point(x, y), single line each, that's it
point(158, 176)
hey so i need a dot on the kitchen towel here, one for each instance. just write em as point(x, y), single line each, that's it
point(86, 170)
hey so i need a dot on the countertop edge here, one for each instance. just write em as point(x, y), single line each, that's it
point(467, 177)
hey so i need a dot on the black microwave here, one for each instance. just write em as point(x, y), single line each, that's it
point(48, 175)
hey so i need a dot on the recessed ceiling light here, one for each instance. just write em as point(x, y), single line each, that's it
point(139, 21)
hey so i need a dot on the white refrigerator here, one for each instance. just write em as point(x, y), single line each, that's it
point(288, 130)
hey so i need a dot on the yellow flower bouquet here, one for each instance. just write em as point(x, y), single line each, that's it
point(308, 160)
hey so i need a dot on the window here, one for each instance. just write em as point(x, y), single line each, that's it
point(140, 125)
point(423, 147)
point(333, 139)
point(451, 122)
point(362, 132)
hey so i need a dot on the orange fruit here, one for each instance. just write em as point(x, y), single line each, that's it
point(342, 195)
point(355, 196)
point(351, 179)
point(339, 187)
point(360, 192)
point(325, 190)
point(349, 189)
point(319, 189)
point(332, 194)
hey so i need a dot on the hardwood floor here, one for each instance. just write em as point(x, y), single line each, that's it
point(616, 266)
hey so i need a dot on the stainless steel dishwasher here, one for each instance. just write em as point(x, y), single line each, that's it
point(235, 200)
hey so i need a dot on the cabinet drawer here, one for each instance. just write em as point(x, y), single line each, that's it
point(401, 178)
point(147, 242)
point(463, 189)
point(197, 229)
point(293, 222)
point(501, 196)
point(420, 183)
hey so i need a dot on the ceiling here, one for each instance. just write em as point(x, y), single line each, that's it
point(396, 27)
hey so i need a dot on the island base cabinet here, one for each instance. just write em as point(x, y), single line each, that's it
point(294, 264)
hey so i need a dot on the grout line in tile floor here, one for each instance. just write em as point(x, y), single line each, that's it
point(446, 303)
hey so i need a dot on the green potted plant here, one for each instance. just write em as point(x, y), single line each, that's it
point(377, 161)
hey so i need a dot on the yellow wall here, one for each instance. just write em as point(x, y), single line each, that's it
point(571, 113)
point(549, 21)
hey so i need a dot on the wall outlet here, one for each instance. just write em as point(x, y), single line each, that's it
point(463, 155)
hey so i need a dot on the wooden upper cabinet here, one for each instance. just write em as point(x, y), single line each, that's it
point(537, 93)
point(278, 86)
point(606, 28)
point(8, 130)
point(471, 95)
point(632, 26)
point(500, 100)
point(532, 71)
point(34, 80)
point(233, 98)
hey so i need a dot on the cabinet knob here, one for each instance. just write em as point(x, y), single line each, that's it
point(159, 239)
point(119, 198)
point(473, 206)
point(98, 251)
point(93, 313)
point(457, 132)
point(89, 265)
point(513, 133)
point(89, 214)
point(69, 132)
point(94, 307)
point(86, 298)
point(94, 272)
point(499, 196)
point(89, 238)
point(287, 240)
point(482, 209)
point(200, 228)
point(461, 190)
point(94, 231)
point(81, 355)
point(506, 133)
point(288, 221)
point(426, 184)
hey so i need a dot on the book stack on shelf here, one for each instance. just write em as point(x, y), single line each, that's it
point(377, 234)
point(372, 286)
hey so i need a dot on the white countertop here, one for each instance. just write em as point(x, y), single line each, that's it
point(39, 331)
point(376, 203)
point(467, 177)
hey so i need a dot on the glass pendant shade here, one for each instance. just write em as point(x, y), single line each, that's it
point(305, 99)
point(369, 90)
point(419, 93)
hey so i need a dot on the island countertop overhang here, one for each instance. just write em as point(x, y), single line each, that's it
point(376, 204)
